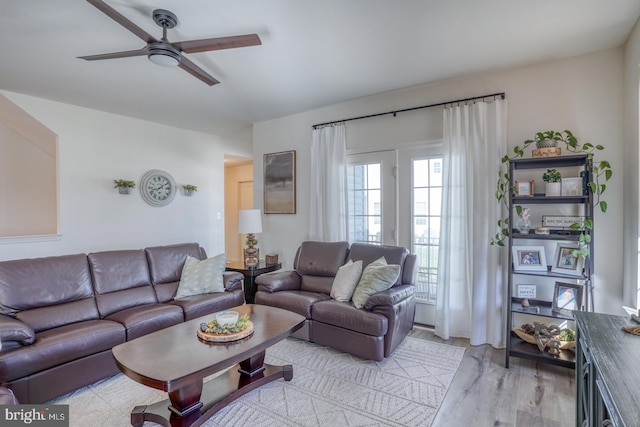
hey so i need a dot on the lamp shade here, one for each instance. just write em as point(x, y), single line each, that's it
point(249, 221)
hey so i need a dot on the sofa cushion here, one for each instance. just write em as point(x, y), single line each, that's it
point(41, 282)
point(165, 266)
point(56, 346)
point(321, 258)
point(346, 316)
point(376, 277)
point(300, 302)
point(166, 262)
point(121, 280)
point(346, 280)
point(142, 320)
point(202, 277)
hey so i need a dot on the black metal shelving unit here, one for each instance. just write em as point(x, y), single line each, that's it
point(517, 347)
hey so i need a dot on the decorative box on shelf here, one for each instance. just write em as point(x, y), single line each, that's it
point(546, 152)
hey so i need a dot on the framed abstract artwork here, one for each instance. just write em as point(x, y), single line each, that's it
point(280, 183)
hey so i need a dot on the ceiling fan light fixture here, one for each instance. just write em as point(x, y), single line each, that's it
point(163, 53)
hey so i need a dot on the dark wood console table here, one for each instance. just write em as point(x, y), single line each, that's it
point(607, 371)
point(250, 273)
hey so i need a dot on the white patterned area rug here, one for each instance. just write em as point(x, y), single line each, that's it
point(329, 388)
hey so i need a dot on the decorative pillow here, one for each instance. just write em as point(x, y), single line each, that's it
point(202, 277)
point(346, 280)
point(376, 277)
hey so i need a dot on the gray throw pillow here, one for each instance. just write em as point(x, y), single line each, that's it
point(376, 277)
point(202, 277)
point(346, 281)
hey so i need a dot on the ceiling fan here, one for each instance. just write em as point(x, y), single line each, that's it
point(168, 53)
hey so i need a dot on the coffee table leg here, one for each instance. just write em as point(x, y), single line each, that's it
point(185, 403)
point(253, 365)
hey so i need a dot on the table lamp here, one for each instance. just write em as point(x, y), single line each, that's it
point(249, 223)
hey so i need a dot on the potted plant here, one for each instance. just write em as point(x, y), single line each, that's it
point(189, 189)
point(124, 186)
point(552, 186)
point(547, 139)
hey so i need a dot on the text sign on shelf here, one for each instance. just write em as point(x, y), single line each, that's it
point(561, 221)
point(526, 291)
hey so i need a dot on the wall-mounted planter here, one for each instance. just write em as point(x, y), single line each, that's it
point(124, 186)
point(189, 189)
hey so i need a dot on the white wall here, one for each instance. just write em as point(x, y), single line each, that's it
point(94, 149)
point(631, 294)
point(583, 94)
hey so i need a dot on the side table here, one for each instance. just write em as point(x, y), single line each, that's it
point(250, 273)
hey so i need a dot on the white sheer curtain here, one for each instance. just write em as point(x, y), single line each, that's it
point(471, 278)
point(328, 184)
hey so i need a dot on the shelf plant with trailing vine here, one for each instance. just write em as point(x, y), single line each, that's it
point(601, 173)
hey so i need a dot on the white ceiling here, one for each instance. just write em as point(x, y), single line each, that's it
point(313, 53)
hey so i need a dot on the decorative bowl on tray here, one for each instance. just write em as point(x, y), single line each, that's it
point(223, 328)
point(564, 345)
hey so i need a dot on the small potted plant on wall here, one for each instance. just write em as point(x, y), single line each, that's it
point(552, 186)
point(189, 189)
point(124, 186)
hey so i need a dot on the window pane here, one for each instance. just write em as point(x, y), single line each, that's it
point(435, 200)
point(420, 173)
point(426, 205)
point(373, 176)
point(435, 172)
point(364, 203)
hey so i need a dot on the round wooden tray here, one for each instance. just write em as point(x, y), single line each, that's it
point(207, 336)
point(564, 345)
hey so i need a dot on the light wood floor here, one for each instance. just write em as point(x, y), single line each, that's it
point(485, 393)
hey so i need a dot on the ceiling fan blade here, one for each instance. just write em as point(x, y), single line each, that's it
point(120, 19)
point(218, 43)
point(196, 71)
point(124, 54)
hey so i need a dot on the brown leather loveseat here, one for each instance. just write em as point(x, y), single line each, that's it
point(61, 316)
point(371, 332)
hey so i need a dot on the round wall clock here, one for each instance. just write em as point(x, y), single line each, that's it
point(157, 187)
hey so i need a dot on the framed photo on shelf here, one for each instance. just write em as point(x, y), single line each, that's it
point(529, 258)
point(567, 297)
point(525, 188)
point(564, 262)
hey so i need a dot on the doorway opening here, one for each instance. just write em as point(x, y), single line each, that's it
point(238, 194)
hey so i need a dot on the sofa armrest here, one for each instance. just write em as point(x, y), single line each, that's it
point(279, 281)
point(232, 280)
point(390, 297)
point(14, 330)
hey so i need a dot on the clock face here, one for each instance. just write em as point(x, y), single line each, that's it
point(157, 188)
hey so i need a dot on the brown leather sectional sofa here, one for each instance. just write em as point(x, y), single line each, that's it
point(61, 316)
point(372, 332)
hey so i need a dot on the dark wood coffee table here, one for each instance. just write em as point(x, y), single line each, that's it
point(176, 360)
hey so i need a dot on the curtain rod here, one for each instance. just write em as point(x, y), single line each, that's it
point(500, 94)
